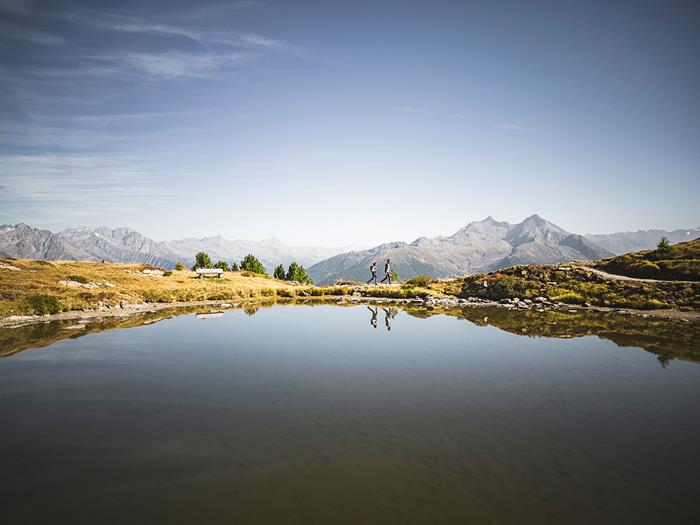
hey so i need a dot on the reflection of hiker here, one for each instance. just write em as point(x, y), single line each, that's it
point(373, 269)
point(387, 318)
point(373, 321)
point(387, 271)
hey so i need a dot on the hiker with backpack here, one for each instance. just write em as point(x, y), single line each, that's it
point(373, 269)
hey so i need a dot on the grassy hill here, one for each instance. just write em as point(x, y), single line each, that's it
point(652, 279)
point(680, 262)
point(28, 287)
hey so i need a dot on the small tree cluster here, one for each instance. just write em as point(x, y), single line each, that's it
point(279, 273)
point(252, 264)
point(296, 272)
point(222, 265)
point(179, 267)
point(201, 260)
point(664, 248)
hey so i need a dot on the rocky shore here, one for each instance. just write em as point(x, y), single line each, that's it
point(431, 303)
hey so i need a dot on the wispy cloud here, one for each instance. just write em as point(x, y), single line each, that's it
point(34, 37)
point(124, 24)
point(510, 126)
point(177, 63)
point(66, 185)
point(415, 111)
point(420, 111)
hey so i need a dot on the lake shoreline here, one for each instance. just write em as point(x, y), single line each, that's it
point(429, 303)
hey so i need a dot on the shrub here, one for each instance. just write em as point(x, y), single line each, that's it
point(421, 281)
point(252, 264)
point(44, 304)
point(78, 279)
point(179, 267)
point(167, 273)
point(569, 297)
point(234, 266)
point(267, 292)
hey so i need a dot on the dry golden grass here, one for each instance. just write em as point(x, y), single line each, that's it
point(38, 287)
point(42, 278)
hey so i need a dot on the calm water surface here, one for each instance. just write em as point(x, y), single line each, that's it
point(332, 415)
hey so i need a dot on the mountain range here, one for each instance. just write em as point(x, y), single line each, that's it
point(480, 246)
point(124, 245)
point(625, 242)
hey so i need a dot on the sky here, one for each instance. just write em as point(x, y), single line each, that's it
point(335, 123)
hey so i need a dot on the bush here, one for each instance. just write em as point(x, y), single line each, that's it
point(44, 304)
point(234, 266)
point(267, 292)
point(179, 267)
point(78, 279)
point(167, 273)
point(569, 297)
point(421, 281)
point(252, 264)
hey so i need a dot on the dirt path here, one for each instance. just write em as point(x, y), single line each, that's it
point(627, 278)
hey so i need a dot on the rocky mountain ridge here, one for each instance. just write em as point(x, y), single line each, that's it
point(124, 245)
point(480, 246)
point(625, 242)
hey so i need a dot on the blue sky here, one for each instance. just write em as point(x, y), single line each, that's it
point(348, 122)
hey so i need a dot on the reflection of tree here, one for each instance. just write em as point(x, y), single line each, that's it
point(373, 321)
point(251, 309)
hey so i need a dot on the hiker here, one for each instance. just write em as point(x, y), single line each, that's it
point(387, 271)
point(373, 321)
point(373, 269)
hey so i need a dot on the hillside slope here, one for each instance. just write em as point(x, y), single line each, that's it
point(680, 262)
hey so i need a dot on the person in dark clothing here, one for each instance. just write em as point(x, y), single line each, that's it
point(373, 269)
point(373, 321)
point(387, 271)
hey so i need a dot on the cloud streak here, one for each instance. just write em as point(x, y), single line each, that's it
point(510, 126)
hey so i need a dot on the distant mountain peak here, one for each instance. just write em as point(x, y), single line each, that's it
point(480, 246)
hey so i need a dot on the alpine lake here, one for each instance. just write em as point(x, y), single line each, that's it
point(358, 414)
